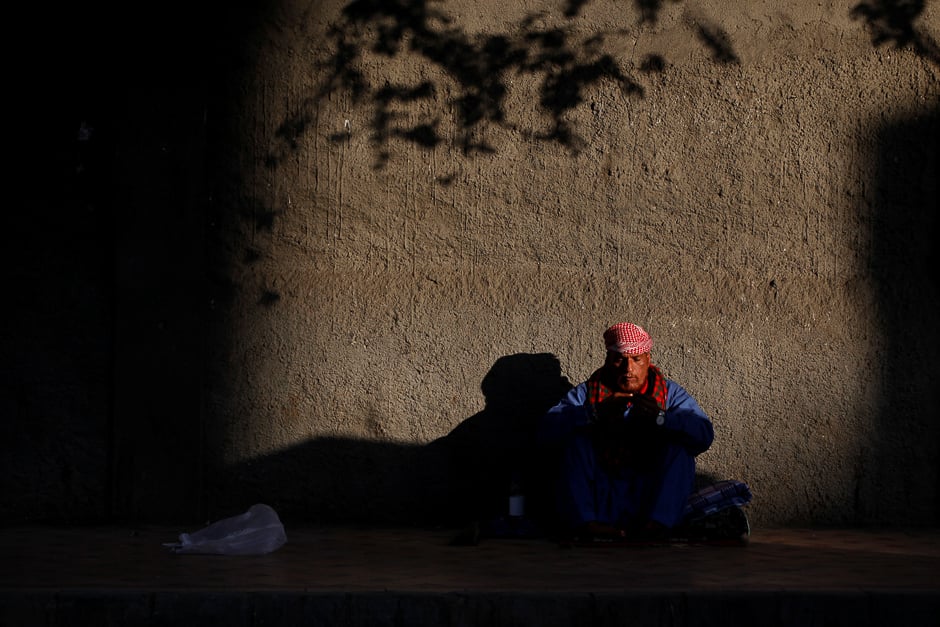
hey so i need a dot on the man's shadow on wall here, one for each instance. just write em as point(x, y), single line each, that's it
point(461, 477)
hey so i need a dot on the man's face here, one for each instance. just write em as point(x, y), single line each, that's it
point(626, 373)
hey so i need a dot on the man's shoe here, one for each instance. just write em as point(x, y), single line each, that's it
point(726, 526)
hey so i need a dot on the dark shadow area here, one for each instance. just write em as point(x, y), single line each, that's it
point(57, 336)
point(104, 261)
point(902, 471)
point(894, 22)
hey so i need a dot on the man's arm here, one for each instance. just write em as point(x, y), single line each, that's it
point(569, 414)
point(685, 418)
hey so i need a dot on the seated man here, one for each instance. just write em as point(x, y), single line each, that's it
point(628, 438)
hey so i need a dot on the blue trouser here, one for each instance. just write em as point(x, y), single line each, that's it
point(656, 491)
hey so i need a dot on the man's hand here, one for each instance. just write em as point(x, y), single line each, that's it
point(645, 410)
point(611, 409)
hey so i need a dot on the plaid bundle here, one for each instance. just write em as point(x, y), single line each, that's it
point(716, 497)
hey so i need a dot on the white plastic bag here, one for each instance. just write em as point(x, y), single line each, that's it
point(256, 532)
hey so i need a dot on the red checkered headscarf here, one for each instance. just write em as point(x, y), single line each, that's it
point(627, 338)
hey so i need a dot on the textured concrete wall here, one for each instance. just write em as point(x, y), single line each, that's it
point(421, 195)
point(341, 255)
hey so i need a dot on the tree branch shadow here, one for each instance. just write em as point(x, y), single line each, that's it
point(893, 22)
point(480, 67)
